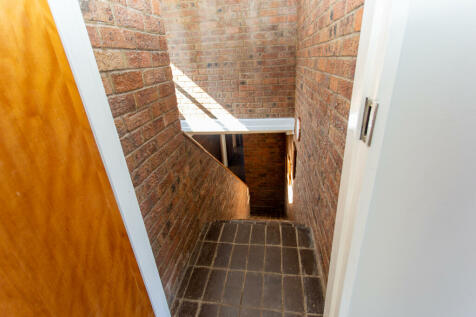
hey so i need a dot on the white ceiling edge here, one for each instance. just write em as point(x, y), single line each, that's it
point(238, 126)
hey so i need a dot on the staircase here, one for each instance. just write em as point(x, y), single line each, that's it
point(251, 268)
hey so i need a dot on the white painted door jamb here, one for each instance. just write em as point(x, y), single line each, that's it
point(381, 38)
point(76, 43)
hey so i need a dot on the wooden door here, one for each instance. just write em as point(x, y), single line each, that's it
point(64, 250)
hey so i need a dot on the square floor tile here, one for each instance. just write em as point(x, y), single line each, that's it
point(228, 232)
point(308, 262)
point(223, 255)
point(304, 237)
point(233, 287)
point(253, 289)
point(288, 233)
point(273, 235)
point(243, 234)
point(208, 310)
point(197, 283)
point(258, 234)
point(255, 258)
point(272, 296)
point(239, 257)
point(215, 285)
point(293, 295)
point(228, 311)
point(273, 259)
point(214, 231)
point(314, 297)
point(206, 254)
point(187, 309)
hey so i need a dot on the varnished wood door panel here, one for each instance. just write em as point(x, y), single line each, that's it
point(64, 250)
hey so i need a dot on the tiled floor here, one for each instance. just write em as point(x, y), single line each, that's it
point(251, 268)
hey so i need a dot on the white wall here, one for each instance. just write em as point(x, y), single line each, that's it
point(418, 256)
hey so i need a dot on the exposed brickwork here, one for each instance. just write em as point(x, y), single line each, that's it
point(328, 37)
point(240, 53)
point(265, 156)
point(179, 186)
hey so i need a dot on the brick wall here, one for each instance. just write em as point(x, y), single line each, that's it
point(328, 38)
point(175, 180)
point(233, 57)
point(265, 157)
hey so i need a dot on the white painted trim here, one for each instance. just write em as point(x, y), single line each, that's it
point(224, 154)
point(233, 142)
point(383, 28)
point(76, 43)
point(241, 126)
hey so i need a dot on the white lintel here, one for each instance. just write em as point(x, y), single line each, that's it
point(238, 126)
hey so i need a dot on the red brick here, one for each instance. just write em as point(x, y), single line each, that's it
point(141, 5)
point(338, 139)
point(345, 68)
point(146, 96)
point(142, 154)
point(350, 46)
point(116, 38)
point(122, 104)
point(358, 19)
point(166, 89)
point(127, 81)
point(152, 128)
point(138, 59)
point(94, 36)
point(132, 141)
point(106, 81)
point(157, 75)
point(163, 43)
point(342, 106)
point(147, 41)
point(352, 4)
point(135, 120)
point(166, 135)
point(338, 10)
point(128, 17)
point(152, 24)
point(109, 60)
point(97, 11)
point(155, 7)
point(164, 105)
point(160, 59)
point(171, 116)
point(120, 126)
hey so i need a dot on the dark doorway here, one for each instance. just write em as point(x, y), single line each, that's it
point(259, 160)
point(236, 160)
point(265, 170)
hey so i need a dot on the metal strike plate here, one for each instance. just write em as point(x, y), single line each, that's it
point(368, 121)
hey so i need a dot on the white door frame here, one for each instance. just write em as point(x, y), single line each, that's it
point(72, 30)
point(383, 27)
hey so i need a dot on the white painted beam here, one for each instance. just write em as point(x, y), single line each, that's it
point(224, 156)
point(239, 126)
